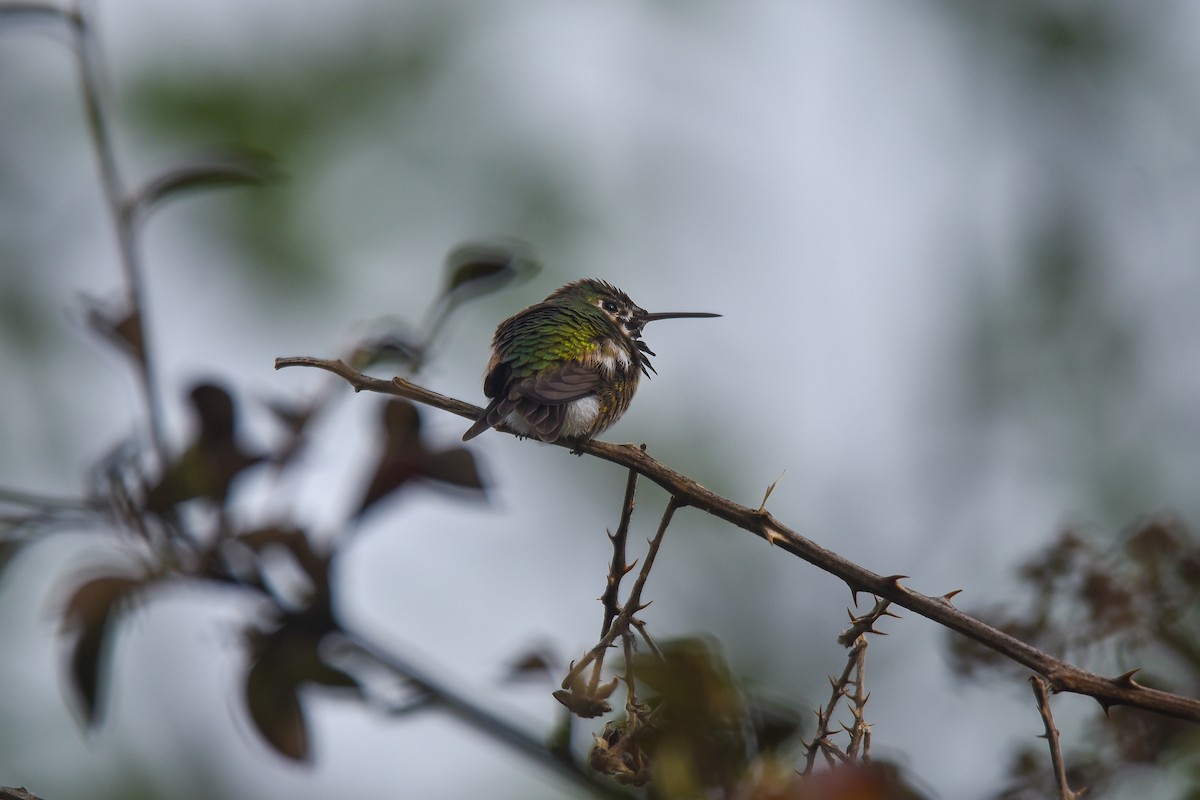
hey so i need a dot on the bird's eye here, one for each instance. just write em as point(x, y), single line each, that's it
point(610, 306)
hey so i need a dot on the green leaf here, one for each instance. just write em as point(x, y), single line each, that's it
point(244, 169)
point(476, 268)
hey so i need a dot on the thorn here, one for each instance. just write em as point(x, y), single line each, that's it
point(889, 613)
point(767, 495)
point(774, 537)
point(895, 580)
point(1126, 681)
point(1106, 705)
point(949, 596)
point(853, 619)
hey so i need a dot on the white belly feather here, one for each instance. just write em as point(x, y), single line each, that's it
point(581, 414)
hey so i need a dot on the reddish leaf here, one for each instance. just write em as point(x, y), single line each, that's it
point(456, 466)
point(405, 457)
point(282, 662)
point(208, 467)
point(93, 611)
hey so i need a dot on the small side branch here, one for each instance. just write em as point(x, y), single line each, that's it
point(632, 605)
point(84, 48)
point(618, 568)
point(853, 675)
point(1041, 692)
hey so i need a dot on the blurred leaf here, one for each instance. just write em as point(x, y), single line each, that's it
point(875, 780)
point(403, 347)
point(1132, 599)
point(91, 614)
point(303, 115)
point(244, 169)
point(697, 740)
point(120, 327)
point(455, 466)
point(774, 725)
point(295, 418)
point(274, 705)
point(405, 457)
point(296, 542)
point(536, 663)
point(212, 461)
point(282, 661)
point(17, 793)
point(477, 268)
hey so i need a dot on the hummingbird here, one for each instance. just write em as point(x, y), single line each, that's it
point(568, 366)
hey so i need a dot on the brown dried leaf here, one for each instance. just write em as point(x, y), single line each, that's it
point(282, 661)
point(208, 467)
point(91, 614)
point(274, 705)
point(455, 466)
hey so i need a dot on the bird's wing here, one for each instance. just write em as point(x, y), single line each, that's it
point(541, 400)
point(571, 381)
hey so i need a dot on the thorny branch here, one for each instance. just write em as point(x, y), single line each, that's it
point(1041, 692)
point(1060, 675)
point(854, 674)
point(617, 570)
point(633, 604)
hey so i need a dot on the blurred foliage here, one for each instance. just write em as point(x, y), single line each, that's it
point(1132, 606)
point(383, 94)
point(1048, 35)
point(299, 117)
point(703, 735)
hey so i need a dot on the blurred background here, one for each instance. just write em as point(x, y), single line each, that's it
point(957, 251)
